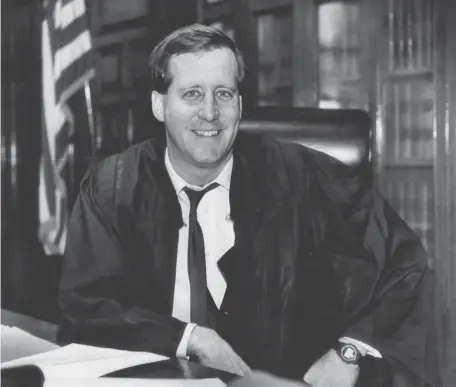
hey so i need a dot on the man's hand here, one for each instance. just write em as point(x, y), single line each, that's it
point(331, 371)
point(212, 351)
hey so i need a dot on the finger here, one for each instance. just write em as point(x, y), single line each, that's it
point(244, 367)
point(241, 365)
point(230, 364)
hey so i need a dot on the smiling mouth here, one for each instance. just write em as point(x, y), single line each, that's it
point(207, 133)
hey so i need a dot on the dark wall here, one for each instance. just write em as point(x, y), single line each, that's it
point(25, 287)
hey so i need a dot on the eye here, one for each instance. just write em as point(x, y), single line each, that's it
point(192, 94)
point(225, 95)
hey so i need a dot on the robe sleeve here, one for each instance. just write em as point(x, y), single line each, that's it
point(96, 306)
point(386, 286)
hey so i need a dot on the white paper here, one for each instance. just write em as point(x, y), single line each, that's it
point(125, 382)
point(16, 343)
point(77, 361)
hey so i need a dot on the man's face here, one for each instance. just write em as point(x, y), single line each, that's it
point(201, 109)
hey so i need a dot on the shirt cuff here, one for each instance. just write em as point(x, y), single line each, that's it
point(182, 347)
point(364, 348)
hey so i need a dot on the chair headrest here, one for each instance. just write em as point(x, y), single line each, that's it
point(343, 134)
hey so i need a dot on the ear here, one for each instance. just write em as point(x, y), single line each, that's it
point(157, 105)
point(240, 106)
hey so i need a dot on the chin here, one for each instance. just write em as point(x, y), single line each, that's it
point(209, 160)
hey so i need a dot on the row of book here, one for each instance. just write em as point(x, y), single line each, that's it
point(408, 124)
point(410, 34)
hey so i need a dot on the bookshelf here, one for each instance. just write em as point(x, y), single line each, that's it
point(407, 97)
point(409, 115)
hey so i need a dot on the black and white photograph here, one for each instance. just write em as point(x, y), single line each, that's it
point(239, 193)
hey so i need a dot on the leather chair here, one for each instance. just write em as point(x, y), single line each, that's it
point(343, 134)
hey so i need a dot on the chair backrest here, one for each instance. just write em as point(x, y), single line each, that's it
point(343, 134)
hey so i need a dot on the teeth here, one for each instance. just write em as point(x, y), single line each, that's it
point(207, 133)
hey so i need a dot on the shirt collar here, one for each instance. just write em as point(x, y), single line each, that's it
point(223, 179)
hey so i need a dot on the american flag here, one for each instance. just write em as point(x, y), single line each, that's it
point(67, 67)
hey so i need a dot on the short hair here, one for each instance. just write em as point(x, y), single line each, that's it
point(189, 39)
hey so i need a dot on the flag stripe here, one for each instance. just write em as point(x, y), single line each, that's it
point(69, 54)
point(67, 12)
point(65, 35)
point(67, 85)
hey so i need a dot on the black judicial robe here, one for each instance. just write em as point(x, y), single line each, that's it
point(317, 255)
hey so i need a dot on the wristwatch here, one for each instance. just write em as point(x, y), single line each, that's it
point(348, 353)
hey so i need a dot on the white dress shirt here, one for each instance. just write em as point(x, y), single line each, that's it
point(213, 215)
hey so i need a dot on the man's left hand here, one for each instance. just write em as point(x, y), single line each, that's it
point(331, 371)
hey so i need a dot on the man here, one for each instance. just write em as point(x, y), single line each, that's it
point(236, 251)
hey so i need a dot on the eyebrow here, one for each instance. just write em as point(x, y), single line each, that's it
point(233, 89)
point(188, 87)
point(229, 88)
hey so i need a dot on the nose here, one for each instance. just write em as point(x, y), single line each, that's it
point(209, 109)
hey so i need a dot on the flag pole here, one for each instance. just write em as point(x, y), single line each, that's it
point(92, 131)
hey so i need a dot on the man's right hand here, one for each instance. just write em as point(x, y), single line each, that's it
point(212, 351)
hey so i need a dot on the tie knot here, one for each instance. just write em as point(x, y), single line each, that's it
point(196, 196)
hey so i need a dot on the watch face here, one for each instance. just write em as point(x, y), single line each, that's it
point(349, 353)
